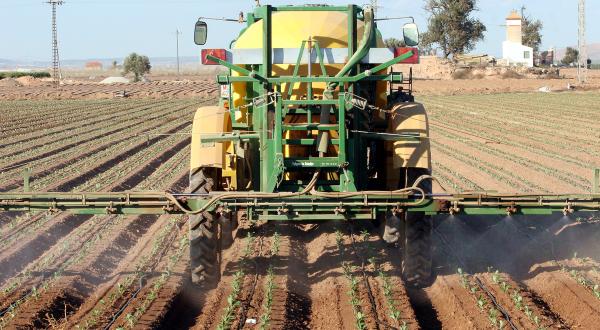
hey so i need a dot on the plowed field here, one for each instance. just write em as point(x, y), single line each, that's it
point(63, 271)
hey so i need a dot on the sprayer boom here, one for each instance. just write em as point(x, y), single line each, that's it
point(310, 206)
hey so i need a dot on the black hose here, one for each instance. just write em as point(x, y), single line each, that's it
point(122, 309)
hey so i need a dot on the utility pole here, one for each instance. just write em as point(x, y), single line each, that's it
point(582, 46)
point(177, 33)
point(56, 75)
point(375, 6)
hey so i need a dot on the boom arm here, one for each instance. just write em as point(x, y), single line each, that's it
point(300, 206)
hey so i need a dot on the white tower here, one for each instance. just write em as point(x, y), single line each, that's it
point(513, 50)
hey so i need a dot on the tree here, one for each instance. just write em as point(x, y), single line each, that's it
point(139, 65)
point(571, 56)
point(394, 43)
point(532, 33)
point(451, 26)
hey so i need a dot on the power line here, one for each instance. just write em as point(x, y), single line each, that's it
point(375, 6)
point(55, 58)
point(582, 46)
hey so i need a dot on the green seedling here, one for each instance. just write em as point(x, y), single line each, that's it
point(464, 282)
point(360, 321)
point(496, 277)
point(493, 316)
point(517, 299)
point(481, 302)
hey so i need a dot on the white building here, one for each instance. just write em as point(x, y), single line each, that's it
point(513, 50)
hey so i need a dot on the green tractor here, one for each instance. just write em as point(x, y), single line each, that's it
point(309, 108)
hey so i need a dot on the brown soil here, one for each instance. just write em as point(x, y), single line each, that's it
point(10, 90)
point(455, 307)
point(574, 303)
point(311, 289)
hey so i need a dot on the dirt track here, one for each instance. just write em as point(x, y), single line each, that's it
point(63, 271)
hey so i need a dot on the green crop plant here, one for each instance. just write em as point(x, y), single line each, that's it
point(339, 240)
point(270, 285)
point(348, 270)
point(236, 286)
point(596, 290)
point(159, 283)
point(581, 279)
point(493, 316)
point(496, 277)
point(464, 282)
point(481, 302)
point(268, 304)
point(232, 302)
point(394, 313)
point(123, 286)
point(276, 243)
point(517, 299)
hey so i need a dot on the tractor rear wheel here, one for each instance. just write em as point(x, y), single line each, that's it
point(417, 261)
point(417, 244)
point(203, 229)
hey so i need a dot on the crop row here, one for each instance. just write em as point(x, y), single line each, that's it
point(571, 178)
point(523, 118)
point(124, 148)
point(83, 159)
point(48, 146)
point(80, 120)
point(498, 173)
point(122, 291)
point(498, 131)
point(233, 299)
point(37, 291)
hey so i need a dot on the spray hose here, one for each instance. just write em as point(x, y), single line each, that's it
point(310, 189)
point(234, 195)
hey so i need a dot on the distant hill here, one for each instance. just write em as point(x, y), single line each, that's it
point(157, 62)
point(593, 52)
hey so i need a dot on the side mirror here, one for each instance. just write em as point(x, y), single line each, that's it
point(200, 33)
point(411, 34)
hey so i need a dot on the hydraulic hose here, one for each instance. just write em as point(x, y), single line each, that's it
point(310, 189)
point(234, 195)
point(363, 47)
point(361, 52)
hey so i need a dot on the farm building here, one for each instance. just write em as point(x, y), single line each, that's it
point(93, 65)
point(513, 50)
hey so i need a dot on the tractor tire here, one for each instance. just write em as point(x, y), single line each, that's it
point(202, 231)
point(227, 226)
point(417, 243)
point(417, 260)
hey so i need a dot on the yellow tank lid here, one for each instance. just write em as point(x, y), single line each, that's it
point(291, 28)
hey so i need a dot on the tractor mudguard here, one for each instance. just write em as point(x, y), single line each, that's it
point(410, 119)
point(208, 121)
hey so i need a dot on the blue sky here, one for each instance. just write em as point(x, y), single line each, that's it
point(114, 28)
